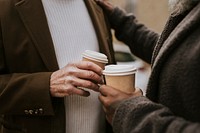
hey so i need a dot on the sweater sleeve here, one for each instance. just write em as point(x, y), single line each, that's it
point(138, 37)
point(140, 115)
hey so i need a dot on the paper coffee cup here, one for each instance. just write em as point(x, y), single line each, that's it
point(96, 57)
point(121, 77)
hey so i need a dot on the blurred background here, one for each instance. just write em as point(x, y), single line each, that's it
point(152, 13)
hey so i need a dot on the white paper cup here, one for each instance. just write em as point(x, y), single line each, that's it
point(121, 77)
point(96, 57)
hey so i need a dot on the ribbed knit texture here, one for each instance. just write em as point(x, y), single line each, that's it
point(71, 29)
point(72, 33)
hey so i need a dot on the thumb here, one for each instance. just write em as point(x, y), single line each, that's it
point(138, 92)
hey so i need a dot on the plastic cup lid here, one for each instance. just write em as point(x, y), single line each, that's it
point(119, 70)
point(96, 56)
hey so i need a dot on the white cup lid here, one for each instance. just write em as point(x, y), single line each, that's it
point(96, 56)
point(119, 70)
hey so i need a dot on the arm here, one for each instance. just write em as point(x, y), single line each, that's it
point(138, 37)
point(134, 113)
point(141, 115)
point(23, 91)
point(20, 92)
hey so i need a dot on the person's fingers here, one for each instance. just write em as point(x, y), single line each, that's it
point(81, 83)
point(85, 70)
point(80, 92)
point(111, 95)
point(89, 75)
point(102, 90)
point(63, 91)
point(138, 92)
point(105, 4)
point(57, 90)
point(100, 2)
point(87, 65)
point(105, 101)
point(107, 90)
point(105, 108)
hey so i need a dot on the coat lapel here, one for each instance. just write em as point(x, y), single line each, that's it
point(102, 30)
point(181, 31)
point(34, 19)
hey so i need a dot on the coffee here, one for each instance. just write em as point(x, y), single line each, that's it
point(96, 57)
point(121, 77)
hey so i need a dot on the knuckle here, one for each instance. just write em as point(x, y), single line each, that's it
point(71, 71)
point(91, 74)
point(70, 90)
point(107, 103)
point(88, 84)
point(69, 80)
point(71, 64)
point(88, 64)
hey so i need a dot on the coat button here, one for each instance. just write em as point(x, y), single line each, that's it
point(26, 112)
point(30, 112)
point(41, 111)
point(36, 111)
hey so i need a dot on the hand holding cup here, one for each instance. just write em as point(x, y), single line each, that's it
point(111, 98)
point(67, 80)
point(120, 85)
point(75, 76)
point(121, 77)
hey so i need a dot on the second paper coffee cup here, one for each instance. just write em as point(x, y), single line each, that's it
point(121, 77)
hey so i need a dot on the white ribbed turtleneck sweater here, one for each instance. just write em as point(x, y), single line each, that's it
point(72, 33)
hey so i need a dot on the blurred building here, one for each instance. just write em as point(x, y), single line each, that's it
point(152, 13)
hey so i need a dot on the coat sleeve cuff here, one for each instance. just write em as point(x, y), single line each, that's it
point(126, 107)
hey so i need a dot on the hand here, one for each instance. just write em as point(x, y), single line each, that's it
point(111, 98)
point(106, 5)
point(65, 81)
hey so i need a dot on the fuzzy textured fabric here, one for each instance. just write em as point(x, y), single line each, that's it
point(173, 102)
